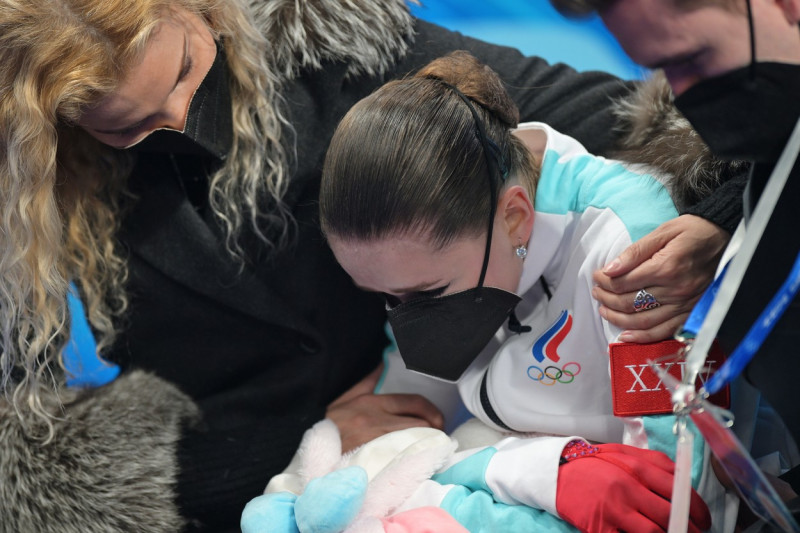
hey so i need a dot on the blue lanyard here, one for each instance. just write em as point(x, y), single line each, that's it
point(700, 309)
point(716, 301)
point(755, 336)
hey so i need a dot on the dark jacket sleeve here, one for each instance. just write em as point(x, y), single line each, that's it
point(578, 104)
point(219, 472)
point(724, 206)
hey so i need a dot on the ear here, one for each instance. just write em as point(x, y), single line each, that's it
point(516, 212)
point(791, 10)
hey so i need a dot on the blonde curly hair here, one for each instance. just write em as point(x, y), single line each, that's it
point(62, 190)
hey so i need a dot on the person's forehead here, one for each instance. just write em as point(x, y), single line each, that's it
point(639, 26)
point(654, 31)
point(406, 261)
point(152, 76)
point(379, 263)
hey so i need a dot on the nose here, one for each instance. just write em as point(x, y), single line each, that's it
point(172, 116)
point(175, 113)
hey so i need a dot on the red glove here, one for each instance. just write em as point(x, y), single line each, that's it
point(622, 488)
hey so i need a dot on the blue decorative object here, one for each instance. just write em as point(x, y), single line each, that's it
point(84, 367)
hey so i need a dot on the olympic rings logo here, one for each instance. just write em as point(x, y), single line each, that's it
point(552, 374)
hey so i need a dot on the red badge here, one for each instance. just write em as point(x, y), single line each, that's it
point(638, 391)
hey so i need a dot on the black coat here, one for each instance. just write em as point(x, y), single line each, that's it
point(264, 350)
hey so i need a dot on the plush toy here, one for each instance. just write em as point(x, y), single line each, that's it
point(415, 481)
point(367, 490)
point(409, 481)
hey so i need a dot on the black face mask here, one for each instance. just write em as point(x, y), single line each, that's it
point(209, 122)
point(442, 336)
point(747, 113)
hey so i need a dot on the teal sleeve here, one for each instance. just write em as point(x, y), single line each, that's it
point(470, 472)
point(471, 503)
point(660, 437)
point(479, 513)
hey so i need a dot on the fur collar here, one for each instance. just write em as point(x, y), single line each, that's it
point(370, 36)
point(657, 135)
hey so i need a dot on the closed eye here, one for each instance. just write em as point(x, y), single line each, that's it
point(124, 132)
point(393, 300)
point(186, 69)
point(431, 293)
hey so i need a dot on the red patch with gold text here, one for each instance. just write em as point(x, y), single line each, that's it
point(637, 390)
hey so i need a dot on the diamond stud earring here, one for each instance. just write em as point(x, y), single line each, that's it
point(521, 251)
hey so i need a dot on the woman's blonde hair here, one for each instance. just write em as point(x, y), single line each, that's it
point(62, 190)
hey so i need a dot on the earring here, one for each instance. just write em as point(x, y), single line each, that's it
point(521, 250)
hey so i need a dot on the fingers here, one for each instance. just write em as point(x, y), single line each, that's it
point(652, 512)
point(355, 436)
point(687, 238)
point(655, 470)
point(585, 483)
point(638, 252)
point(623, 302)
point(412, 405)
point(369, 409)
point(644, 329)
point(647, 274)
point(642, 522)
point(673, 277)
point(369, 416)
point(675, 263)
point(649, 325)
point(665, 330)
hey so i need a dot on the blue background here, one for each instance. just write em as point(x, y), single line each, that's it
point(535, 28)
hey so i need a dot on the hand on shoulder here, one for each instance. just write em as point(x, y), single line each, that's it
point(674, 263)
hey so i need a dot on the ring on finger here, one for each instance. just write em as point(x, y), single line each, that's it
point(644, 301)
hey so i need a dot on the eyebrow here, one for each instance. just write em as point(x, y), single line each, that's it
point(186, 63)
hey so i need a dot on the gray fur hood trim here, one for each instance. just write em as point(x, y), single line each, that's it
point(109, 467)
point(657, 135)
point(368, 34)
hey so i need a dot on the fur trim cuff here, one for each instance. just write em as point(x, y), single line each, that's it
point(111, 465)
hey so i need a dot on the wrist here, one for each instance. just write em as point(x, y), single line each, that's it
point(575, 449)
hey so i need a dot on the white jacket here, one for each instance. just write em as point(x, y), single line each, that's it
point(553, 382)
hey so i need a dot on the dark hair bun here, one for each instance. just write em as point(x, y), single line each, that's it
point(476, 80)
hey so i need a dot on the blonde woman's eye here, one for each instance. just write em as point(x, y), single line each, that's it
point(186, 69)
point(126, 132)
